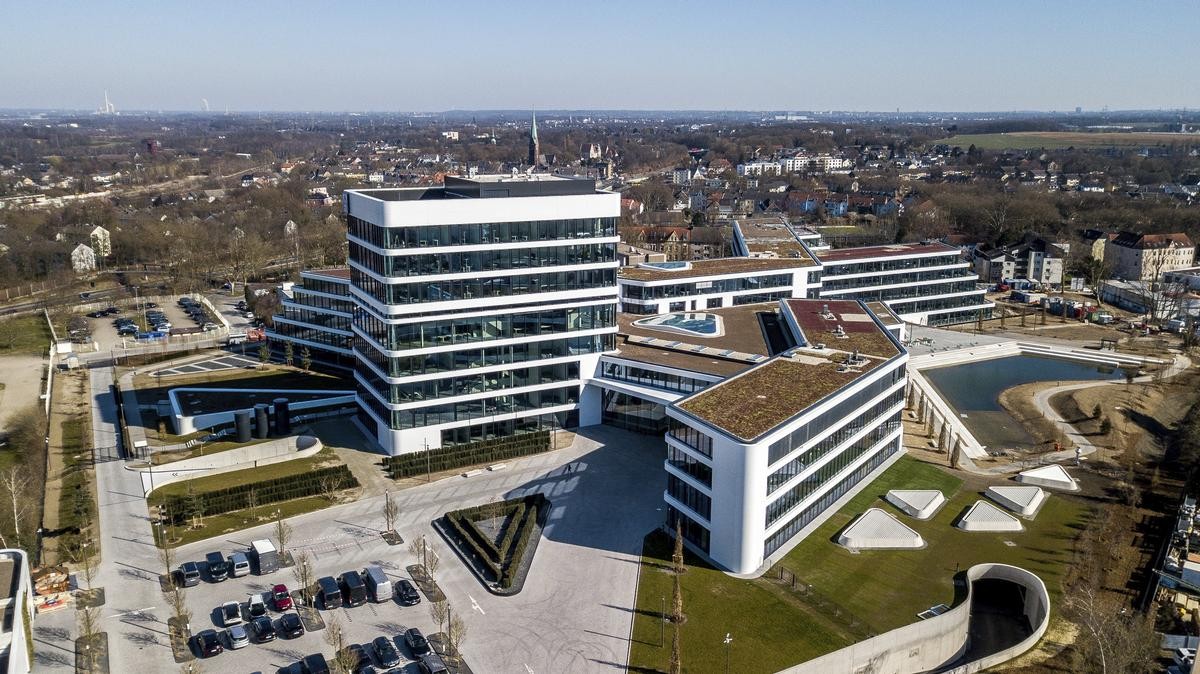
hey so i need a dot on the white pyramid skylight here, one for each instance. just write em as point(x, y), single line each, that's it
point(1023, 500)
point(918, 503)
point(1052, 476)
point(877, 530)
point(984, 516)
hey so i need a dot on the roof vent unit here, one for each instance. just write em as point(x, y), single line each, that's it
point(819, 345)
point(826, 313)
point(839, 331)
point(855, 359)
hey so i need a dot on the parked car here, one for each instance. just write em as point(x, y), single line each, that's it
point(406, 594)
point(314, 664)
point(354, 591)
point(208, 644)
point(239, 564)
point(379, 586)
point(290, 626)
point(256, 607)
point(218, 568)
point(238, 637)
point(331, 593)
point(96, 314)
point(281, 597)
point(432, 663)
point(385, 652)
point(417, 643)
point(231, 613)
point(264, 629)
point(151, 305)
point(189, 574)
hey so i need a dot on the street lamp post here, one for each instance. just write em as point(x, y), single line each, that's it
point(727, 642)
point(662, 622)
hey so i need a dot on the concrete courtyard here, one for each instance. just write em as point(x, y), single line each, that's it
point(574, 613)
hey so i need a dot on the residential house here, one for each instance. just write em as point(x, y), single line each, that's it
point(1146, 257)
point(83, 259)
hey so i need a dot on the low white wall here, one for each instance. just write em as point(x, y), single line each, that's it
point(250, 456)
point(939, 641)
point(185, 425)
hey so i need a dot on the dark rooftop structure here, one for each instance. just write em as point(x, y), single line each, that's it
point(489, 187)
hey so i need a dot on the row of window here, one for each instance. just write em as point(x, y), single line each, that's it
point(451, 361)
point(469, 409)
point(810, 513)
point(689, 496)
point(645, 377)
point(691, 437)
point(482, 260)
point(815, 428)
point(422, 236)
point(633, 413)
point(726, 285)
point(321, 318)
point(890, 264)
point(692, 530)
point(508, 427)
point(445, 387)
point(894, 279)
point(465, 289)
point(813, 454)
point(920, 290)
point(940, 303)
point(486, 328)
point(686, 463)
point(954, 317)
point(819, 477)
point(317, 335)
point(324, 286)
point(301, 295)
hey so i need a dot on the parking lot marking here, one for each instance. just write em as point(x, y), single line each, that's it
point(136, 611)
point(528, 669)
point(475, 605)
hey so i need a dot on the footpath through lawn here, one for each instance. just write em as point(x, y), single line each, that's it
point(854, 595)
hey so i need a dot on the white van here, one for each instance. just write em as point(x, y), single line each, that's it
point(379, 586)
point(240, 564)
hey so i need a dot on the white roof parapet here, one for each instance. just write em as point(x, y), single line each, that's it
point(1052, 476)
point(1024, 500)
point(877, 529)
point(917, 503)
point(983, 516)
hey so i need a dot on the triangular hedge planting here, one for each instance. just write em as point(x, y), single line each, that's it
point(497, 553)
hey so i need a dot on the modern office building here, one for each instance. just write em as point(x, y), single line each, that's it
point(17, 603)
point(772, 412)
point(316, 315)
point(662, 287)
point(481, 306)
point(924, 283)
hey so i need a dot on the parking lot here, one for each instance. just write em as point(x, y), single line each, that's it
point(227, 305)
point(104, 332)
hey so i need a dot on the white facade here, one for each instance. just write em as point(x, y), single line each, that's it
point(101, 242)
point(511, 278)
point(759, 168)
point(715, 290)
point(83, 259)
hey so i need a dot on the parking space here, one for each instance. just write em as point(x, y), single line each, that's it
point(361, 624)
point(105, 332)
point(217, 364)
point(228, 306)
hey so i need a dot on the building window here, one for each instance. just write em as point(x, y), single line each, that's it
point(688, 464)
point(692, 531)
point(689, 496)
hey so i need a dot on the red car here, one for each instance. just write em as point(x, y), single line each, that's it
point(283, 599)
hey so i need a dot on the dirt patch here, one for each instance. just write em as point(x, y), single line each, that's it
point(1018, 401)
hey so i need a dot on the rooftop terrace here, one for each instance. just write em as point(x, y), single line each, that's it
point(894, 250)
point(716, 267)
point(766, 236)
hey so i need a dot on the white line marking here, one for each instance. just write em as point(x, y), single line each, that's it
point(133, 612)
point(475, 605)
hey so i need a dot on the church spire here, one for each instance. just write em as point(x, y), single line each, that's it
point(535, 147)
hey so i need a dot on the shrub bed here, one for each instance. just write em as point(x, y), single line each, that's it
point(498, 563)
point(179, 507)
point(483, 451)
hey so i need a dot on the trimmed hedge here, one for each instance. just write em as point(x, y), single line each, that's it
point(500, 562)
point(180, 507)
point(457, 456)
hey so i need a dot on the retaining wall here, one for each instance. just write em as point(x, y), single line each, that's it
point(937, 643)
point(250, 456)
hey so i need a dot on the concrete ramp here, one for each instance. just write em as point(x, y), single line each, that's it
point(879, 530)
point(1024, 501)
point(1052, 476)
point(918, 503)
point(984, 516)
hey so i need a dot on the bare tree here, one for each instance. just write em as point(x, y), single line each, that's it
point(391, 510)
point(89, 629)
point(289, 354)
point(456, 633)
point(335, 636)
point(252, 503)
point(432, 561)
point(303, 571)
point(14, 481)
point(166, 555)
point(305, 359)
point(676, 602)
point(283, 532)
point(677, 553)
point(330, 485)
point(676, 666)
point(438, 610)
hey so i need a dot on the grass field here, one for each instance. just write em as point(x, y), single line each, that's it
point(1052, 140)
point(24, 335)
point(878, 590)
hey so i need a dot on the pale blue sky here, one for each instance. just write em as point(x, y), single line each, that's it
point(740, 54)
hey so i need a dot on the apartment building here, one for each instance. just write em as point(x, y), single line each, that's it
point(1146, 257)
point(481, 306)
point(1035, 260)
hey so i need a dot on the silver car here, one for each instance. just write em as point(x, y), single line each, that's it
point(238, 638)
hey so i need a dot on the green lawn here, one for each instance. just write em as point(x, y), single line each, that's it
point(244, 519)
point(868, 592)
point(24, 335)
point(239, 477)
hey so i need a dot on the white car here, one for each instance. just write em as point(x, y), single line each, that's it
point(256, 606)
point(231, 613)
point(238, 638)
